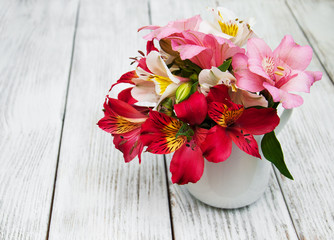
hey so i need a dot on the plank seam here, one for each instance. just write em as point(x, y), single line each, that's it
point(165, 160)
point(285, 201)
point(169, 199)
point(309, 42)
point(63, 119)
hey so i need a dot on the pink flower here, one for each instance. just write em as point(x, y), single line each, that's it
point(205, 50)
point(234, 123)
point(124, 122)
point(281, 71)
point(172, 28)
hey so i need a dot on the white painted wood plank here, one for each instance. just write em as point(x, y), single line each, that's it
point(35, 49)
point(308, 139)
point(268, 218)
point(98, 196)
point(316, 19)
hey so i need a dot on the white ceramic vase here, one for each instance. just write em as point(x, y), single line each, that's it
point(238, 181)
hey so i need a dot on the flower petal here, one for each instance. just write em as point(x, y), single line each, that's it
point(245, 78)
point(300, 82)
point(169, 91)
point(257, 48)
point(248, 99)
point(125, 78)
point(296, 56)
point(217, 146)
point(260, 57)
point(208, 78)
point(129, 144)
point(187, 164)
point(150, 47)
point(124, 109)
point(245, 141)
point(126, 96)
point(120, 117)
point(218, 93)
point(144, 91)
point(223, 114)
point(316, 75)
point(158, 133)
point(172, 28)
point(158, 67)
point(258, 121)
point(193, 110)
point(288, 100)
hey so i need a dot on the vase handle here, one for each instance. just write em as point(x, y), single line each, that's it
point(284, 118)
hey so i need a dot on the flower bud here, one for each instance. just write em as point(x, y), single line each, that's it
point(183, 92)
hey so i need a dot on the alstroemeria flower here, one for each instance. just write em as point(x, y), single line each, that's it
point(208, 78)
point(155, 82)
point(172, 28)
point(227, 25)
point(247, 99)
point(163, 134)
point(234, 123)
point(205, 50)
point(281, 71)
point(124, 122)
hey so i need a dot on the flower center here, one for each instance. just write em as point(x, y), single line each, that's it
point(123, 125)
point(229, 116)
point(268, 65)
point(173, 141)
point(161, 83)
point(225, 115)
point(229, 28)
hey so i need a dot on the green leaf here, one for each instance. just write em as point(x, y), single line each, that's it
point(272, 151)
point(225, 65)
point(269, 98)
point(185, 130)
point(194, 88)
point(193, 66)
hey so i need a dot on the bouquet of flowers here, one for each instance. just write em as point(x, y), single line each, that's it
point(197, 90)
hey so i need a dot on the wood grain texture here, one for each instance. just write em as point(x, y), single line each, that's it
point(316, 19)
point(308, 138)
point(35, 49)
point(268, 218)
point(98, 196)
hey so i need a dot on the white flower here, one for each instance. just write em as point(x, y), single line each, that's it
point(208, 78)
point(156, 85)
point(227, 25)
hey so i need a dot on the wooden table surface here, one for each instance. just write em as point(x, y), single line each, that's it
point(60, 176)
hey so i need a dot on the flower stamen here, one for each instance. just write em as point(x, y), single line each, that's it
point(229, 28)
point(280, 68)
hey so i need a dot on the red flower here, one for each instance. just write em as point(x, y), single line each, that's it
point(124, 122)
point(163, 134)
point(192, 110)
point(234, 123)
